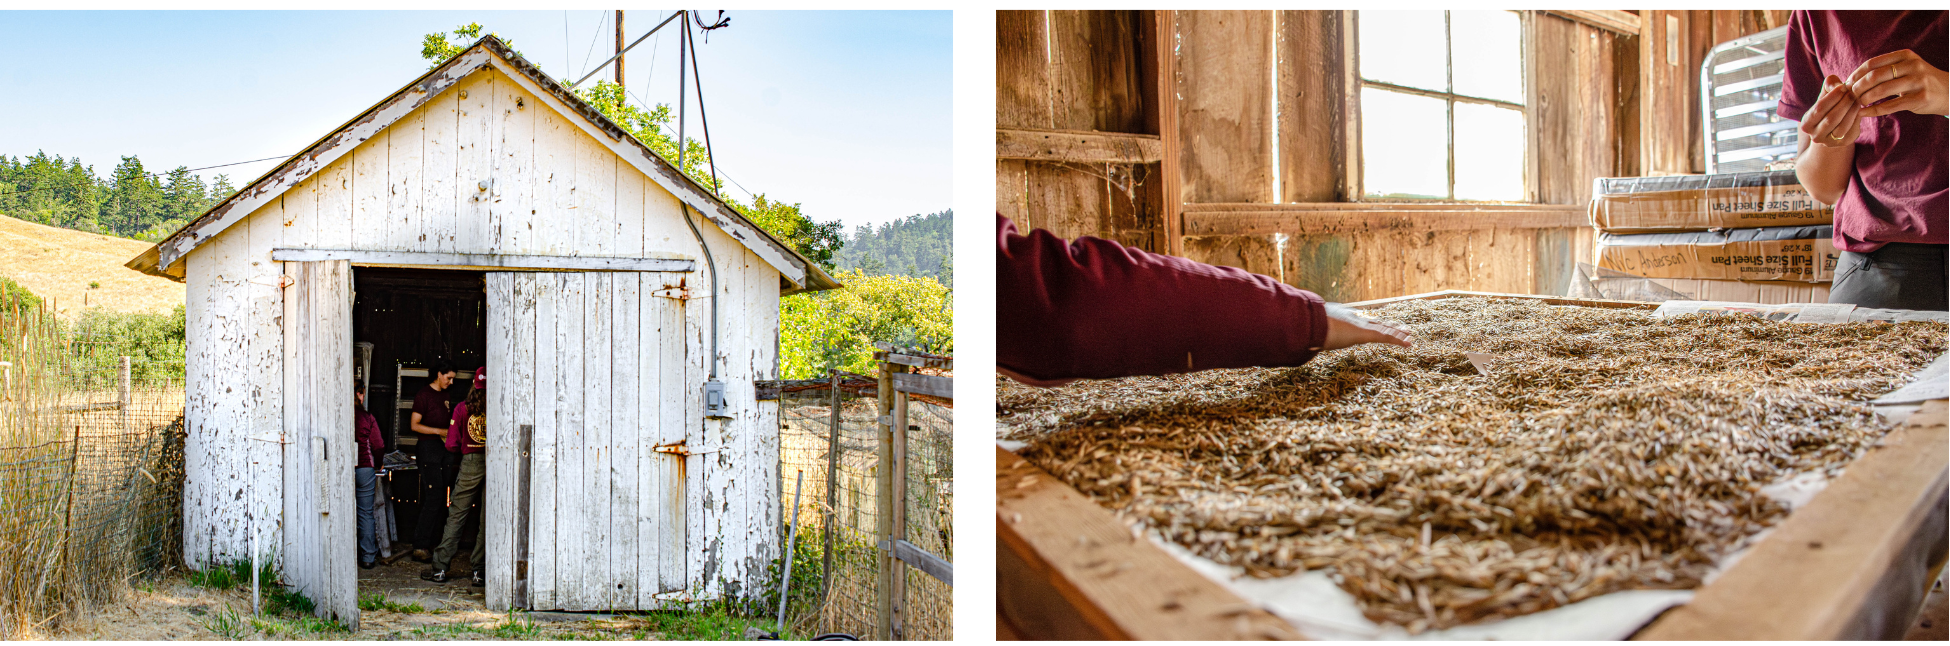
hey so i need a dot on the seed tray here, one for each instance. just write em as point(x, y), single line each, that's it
point(1580, 512)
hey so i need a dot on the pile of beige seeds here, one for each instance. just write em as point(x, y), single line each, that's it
point(1604, 450)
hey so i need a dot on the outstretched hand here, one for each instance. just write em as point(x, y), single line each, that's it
point(1347, 329)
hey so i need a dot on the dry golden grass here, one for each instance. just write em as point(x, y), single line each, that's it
point(58, 264)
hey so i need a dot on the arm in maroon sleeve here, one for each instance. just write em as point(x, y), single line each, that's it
point(1095, 309)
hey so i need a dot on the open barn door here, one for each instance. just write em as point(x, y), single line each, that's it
point(320, 549)
point(584, 512)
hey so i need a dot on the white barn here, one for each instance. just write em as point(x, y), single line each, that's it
point(604, 321)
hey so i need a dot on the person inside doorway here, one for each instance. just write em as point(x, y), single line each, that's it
point(371, 444)
point(1094, 309)
point(467, 437)
point(1869, 90)
point(431, 418)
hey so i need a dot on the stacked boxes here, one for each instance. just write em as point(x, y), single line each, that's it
point(1749, 237)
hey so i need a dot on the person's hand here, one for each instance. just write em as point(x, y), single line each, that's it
point(1347, 329)
point(1835, 118)
point(1899, 81)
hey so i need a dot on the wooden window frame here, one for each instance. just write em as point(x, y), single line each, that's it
point(1353, 172)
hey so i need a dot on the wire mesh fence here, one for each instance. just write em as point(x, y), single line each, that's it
point(840, 509)
point(90, 472)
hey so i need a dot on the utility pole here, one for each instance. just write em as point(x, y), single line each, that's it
point(619, 47)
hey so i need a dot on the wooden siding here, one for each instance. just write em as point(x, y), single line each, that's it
point(556, 191)
point(608, 508)
point(1078, 71)
point(1262, 119)
point(318, 451)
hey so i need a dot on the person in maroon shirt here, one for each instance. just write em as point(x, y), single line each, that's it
point(1869, 90)
point(1094, 309)
point(468, 437)
point(365, 435)
point(430, 418)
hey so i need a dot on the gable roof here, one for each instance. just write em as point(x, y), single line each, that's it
point(166, 258)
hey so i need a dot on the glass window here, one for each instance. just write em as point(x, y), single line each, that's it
point(1442, 105)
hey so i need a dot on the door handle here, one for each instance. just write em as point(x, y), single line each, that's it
point(321, 453)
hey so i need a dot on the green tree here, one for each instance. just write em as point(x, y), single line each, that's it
point(135, 200)
point(836, 329)
point(435, 46)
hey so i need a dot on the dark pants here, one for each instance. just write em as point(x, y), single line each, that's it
point(436, 474)
point(468, 489)
point(363, 484)
point(1899, 276)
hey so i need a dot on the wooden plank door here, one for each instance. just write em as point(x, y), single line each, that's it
point(320, 530)
point(584, 513)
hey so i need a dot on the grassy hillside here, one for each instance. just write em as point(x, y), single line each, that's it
point(60, 264)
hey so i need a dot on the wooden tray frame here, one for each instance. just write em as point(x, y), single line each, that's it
point(1855, 563)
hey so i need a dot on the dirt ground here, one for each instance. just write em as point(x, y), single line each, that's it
point(172, 609)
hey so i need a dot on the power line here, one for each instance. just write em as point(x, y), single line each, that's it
point(601, 19)
point(157, 174)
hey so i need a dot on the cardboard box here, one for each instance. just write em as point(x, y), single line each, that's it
point(1590, 281)
point(1702, 202)
point(1766, 293)
point(1802, 254)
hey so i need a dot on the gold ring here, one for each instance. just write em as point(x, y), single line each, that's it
point(1894, 73)
point(1835, 137)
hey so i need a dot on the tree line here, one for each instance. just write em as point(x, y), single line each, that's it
point(917, 245)
point(130, 203)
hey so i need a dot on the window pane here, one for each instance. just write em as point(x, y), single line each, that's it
point(1404, 145)
point(1489, 153)
point(1488, 54)
point(1404, 48)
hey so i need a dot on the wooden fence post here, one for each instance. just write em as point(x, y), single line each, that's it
point(884, 622)
point(122, 403)
point(832, 486)
point(899, 593)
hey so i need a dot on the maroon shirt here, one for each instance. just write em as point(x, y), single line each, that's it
point(366, 435)
point(432, 406)
point(459, 430)
point(1095, 309)
point(1898, 190)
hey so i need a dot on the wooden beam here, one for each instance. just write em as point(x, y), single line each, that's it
point(1457, 293)
point(1323, 218)
point(943, 387)
point(487, 262)
point(1068, 569)
point(930, 564)
point(1623, 22)
point(1854, 564)
point(1348, 144)
point(1163, 90)
point(1077, 146)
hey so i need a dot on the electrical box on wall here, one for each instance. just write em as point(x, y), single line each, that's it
point(714, 403)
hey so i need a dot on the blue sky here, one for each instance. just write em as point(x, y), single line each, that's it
point(845, 112)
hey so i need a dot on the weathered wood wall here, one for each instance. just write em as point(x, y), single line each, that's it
point(597, 364)
point(1265, 171)
point(1670, 117)
point(1076, 71)
point(484, 167)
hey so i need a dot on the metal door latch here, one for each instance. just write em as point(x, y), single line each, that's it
point(679, 449)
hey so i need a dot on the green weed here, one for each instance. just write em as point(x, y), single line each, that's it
point(377, 601)
point(281, 600)
point(225, 624)
point(228, 576)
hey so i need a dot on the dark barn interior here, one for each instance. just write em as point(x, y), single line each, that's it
point(412, 318)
